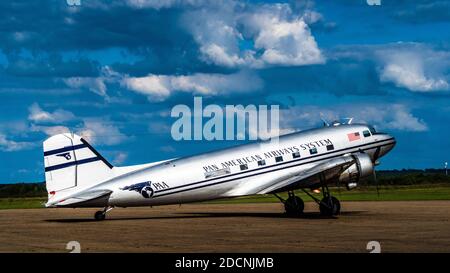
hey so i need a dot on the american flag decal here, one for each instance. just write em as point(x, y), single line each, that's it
point(353, 136)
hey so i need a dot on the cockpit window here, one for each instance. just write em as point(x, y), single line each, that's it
point(372, 130)
point(366, 133)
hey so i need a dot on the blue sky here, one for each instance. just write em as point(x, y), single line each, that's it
point(113, 70)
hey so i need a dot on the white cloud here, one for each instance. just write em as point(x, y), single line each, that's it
point(120, 158)
point(50, 130)
point(284, 37)
point(415, 68)
point(215, 31)
point(159, 87)
point(386, 116)
point(94, 131)
point(218, 55)
point(97, 131)
point(7, 145)
point(36, 114)
point(96, 85)
point(402, 119)
point(275, 34)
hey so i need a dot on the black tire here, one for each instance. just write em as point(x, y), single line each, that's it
point(99, 216)
point(330, 206)
point(294, 206)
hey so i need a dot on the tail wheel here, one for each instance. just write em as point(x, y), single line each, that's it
point(330, 206)
point(100, 215)
point(294, 206)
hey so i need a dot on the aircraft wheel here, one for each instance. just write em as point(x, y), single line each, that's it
point(330, 206)
point(99, 215)
point(294, 206)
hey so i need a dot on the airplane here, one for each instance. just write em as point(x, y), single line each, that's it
point(78, 176)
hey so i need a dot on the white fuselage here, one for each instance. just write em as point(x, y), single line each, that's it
point(219, 174)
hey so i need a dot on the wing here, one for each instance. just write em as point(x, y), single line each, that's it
point(308, 178)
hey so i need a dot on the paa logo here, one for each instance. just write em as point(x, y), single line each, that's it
point(144, 188)
point(73, 3)
point(65, 155)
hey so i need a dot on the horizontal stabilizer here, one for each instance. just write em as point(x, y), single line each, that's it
point(97, 198)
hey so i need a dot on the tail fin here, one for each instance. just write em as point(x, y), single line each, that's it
point(71, 163)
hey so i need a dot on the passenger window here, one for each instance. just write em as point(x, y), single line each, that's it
point(244, 167)
point(313, 151)
point(330, 147)
point(278, 159)
point(296, 155)
point(366, 133)
point(261, 162)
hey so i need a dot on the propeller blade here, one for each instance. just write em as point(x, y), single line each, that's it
point(376, 155)
point(376, 182)
point(339, 187)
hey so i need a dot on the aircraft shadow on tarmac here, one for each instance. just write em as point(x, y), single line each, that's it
point(193, 215)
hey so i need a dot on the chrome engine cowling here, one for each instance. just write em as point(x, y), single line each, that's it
point(362, 167)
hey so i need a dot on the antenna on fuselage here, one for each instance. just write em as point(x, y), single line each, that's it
point(349, 120)
point(325, 123)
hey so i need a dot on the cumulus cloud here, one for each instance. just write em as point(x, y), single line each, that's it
point(402, 119)
point(284, 38)
point(215, 31)
point(8, 145)
point(386, 116)
point(95, 130)
point(275, 35)
point(99, 132)
point(159, 87)
point(414, 67)
point(411, 70)
point(36, 114)
point(50, 130)
point(96, 85)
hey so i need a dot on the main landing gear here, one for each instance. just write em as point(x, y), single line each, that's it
point(101, 214)
point(329, 205)
point(293, 205)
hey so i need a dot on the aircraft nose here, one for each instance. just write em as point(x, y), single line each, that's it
point(389, 145)
point(392, 144)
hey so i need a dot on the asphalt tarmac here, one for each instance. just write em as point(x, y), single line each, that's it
point(397, 226)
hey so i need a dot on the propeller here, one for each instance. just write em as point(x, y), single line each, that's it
point(339, 186)
point(376, 155)
point(376, 182)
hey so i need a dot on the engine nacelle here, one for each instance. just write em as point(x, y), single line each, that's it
point(362, 167)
